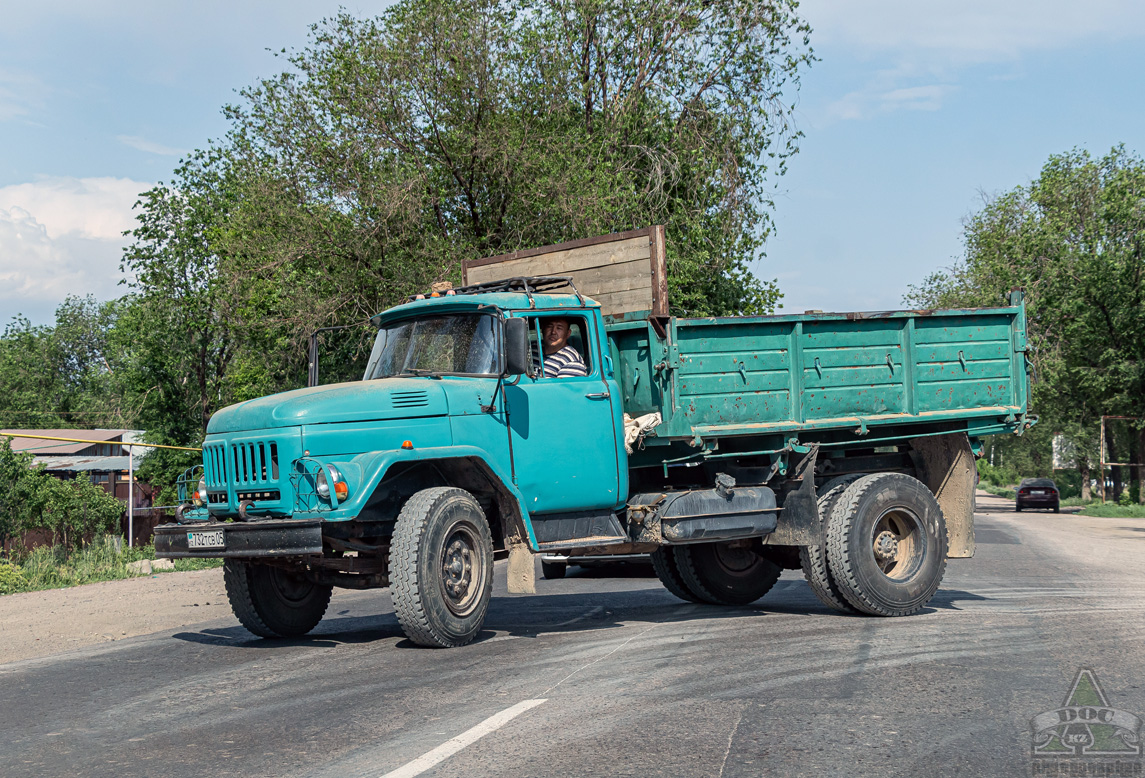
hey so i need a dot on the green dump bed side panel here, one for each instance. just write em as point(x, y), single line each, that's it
point(772, 374)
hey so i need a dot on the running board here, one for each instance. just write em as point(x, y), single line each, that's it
point(577, 530)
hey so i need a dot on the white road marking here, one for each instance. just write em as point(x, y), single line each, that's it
point(468, 737)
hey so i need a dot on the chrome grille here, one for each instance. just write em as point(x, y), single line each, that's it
point(253, 462)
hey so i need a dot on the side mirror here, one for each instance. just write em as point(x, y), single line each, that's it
point(517, 361)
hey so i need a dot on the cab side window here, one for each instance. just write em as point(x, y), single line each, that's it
point(559, 345)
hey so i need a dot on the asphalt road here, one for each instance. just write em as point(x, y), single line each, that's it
point(605, 673)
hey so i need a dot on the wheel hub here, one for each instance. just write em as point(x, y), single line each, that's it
point(457, 570)
point(886, 547)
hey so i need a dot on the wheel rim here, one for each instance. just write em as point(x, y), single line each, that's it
point(898, 543)
point(291, 587)
point(462, 572)
point(735, 558)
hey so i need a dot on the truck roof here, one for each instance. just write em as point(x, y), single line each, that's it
point(512, 294)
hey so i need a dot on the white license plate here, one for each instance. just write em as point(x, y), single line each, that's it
point(212, 539)
point(1037, 491)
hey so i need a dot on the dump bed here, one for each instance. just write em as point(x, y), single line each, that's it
point(757, 375)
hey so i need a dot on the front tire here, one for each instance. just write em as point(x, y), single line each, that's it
point(441, 567)
point(887, 544)
point(728, 573)
point(272, 601)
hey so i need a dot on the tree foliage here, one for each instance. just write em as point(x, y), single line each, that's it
point(1074, 239)
point(391, 148)
point(72, 510)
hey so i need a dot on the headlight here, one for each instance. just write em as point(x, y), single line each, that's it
point(200, 496)
point(328, 474)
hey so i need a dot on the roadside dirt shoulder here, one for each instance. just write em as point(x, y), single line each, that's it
point(37, 624)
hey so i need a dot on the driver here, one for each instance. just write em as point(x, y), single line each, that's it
point(561, 359)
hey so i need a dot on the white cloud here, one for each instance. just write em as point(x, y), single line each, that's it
point(971, 31)
point(919, 48)
point(61, 236)
point(151, 147)
point(864, 103)
point(99, 208)
point(20, 93)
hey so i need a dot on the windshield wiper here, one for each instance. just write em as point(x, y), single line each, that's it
point(420, 371)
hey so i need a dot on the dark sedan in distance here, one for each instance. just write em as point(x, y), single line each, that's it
point(1037, 493)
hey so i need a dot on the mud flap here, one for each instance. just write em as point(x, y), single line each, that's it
point(799, 523)
point(522, 576)
point(945, 464)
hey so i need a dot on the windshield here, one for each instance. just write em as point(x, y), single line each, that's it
point(435, 345)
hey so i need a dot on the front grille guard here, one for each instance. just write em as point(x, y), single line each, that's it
point(303, 479)
point(185, 488)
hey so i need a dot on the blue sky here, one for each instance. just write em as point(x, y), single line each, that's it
point(915, 110)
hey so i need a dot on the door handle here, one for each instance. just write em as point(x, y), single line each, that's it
point(598, 395)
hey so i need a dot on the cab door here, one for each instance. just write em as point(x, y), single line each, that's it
point(564, 431)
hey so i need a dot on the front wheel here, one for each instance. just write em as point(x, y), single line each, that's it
point(887, 544)
point(728, 573)
point(273, 601)
point(441, 567)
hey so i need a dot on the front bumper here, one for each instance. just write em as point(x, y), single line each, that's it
point(277, 537)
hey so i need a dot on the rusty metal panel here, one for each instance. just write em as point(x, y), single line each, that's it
point(766, 375)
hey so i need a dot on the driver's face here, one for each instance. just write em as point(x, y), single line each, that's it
point(555, 333)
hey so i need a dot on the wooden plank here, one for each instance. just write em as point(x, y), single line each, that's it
point(562, 263)
point(624, 302)
point(624, 272)
point(572, 244)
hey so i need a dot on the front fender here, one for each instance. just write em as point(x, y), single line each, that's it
point(368, 470)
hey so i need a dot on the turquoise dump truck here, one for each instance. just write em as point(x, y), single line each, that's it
point(727, 448)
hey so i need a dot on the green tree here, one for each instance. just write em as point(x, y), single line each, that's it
point(19, 492)
point(62, 375)
point(1074, 238)
point(444, 130)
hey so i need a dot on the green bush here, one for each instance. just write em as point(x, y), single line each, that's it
point(104, 559)
point(996, 476)
point(1069, 483)
point(11, 578)
point(1111, 511)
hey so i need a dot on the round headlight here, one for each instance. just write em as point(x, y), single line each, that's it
point(200, 497)
point(321, 484)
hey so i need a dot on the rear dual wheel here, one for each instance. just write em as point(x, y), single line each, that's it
point(886, 544)
point(726, 573)
point(813, 559)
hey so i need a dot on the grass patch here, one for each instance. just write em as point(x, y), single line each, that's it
point(997, 491)
point(51, 567)
point(1114, 511)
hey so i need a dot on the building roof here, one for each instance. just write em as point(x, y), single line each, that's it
point(59, 447)
point(83, 464)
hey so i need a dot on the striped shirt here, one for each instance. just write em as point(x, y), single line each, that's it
point(565, 363)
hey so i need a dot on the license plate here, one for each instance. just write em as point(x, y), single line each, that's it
point(211, 539)
point(1037, 491)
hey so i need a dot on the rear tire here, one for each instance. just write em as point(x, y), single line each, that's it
point(727, 573)
point(441, 567)
point(813, 559)
point(664, 563)
point(887, 544)
point(272, 601)
point(553, 571)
